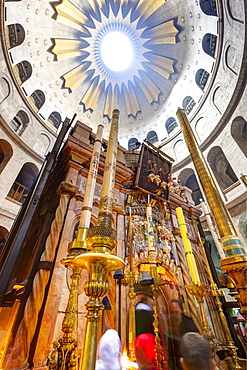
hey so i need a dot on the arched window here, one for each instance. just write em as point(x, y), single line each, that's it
point(6, 153)
point(187, 178)
point(171, 124)
point(208, 7)
point(239, 133)
point(221, 168)
point(55, 119)
point(188, 104)
point(24, 71)
point(38, 98)
point(132, 143)
point(209, 44)
point(16, 35)
point(201, 78)
point(19, 122)
point(23, 182)
point(152, 137)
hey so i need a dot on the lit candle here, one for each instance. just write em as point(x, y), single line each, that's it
point(187, 247)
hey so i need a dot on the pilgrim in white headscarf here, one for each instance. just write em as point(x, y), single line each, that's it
point(109, 351)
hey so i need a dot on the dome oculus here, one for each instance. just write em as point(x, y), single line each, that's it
point(116, 51)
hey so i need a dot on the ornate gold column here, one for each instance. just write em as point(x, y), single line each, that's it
point(235, 263)
point(130, 279)
point(99, 261)
point(152, 254)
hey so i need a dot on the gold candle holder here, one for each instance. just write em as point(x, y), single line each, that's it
point(68, 349)
point(99, 261)
point(235, 264)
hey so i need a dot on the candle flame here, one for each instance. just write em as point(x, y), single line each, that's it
point(126, 363)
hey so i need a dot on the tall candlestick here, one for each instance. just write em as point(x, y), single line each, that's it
point(91, 182)
point(235, 264)
point(187, 247)
point(99, 261)
point(107, 194)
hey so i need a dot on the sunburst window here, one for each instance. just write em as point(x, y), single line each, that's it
point(123, 75)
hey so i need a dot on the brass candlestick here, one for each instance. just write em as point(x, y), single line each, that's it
point(235, 264)
point(67, 352)
point(197, 289)
point(99, 261)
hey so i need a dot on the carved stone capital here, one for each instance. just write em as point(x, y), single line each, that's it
point(67, 188)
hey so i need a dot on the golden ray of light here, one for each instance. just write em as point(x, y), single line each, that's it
point(76, 76)
point(131, 101)
point(67, 48)
point(166, 32)
point(111, 100)
point(69, 14)
point(161, 65)
point(162, 71)
point(147, 7)
point(92, 94)
point(150, 90)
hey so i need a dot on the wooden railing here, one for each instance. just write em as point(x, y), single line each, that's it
point(18, 192)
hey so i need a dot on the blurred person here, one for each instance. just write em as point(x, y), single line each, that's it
point(179, 324)
point(145, 344)
point(145, 339)
point(144, 313)
point(109, 351)
point(196, 353)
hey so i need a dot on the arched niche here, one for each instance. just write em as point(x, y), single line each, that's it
point(239, 133)
point(42, 144)
point(6, 152)
point(221, 168)
point(201, 129)
point(55, 119)
point(218, 98)
point(152, 137)
point(23, 182)
point(187, 178)
point(201, 78)
point(19, 122)
point(232, 59)
point(24, 71)
point(38, 98)
point(209, 7)
point(16, 35)
point(4, 89)
point(209, 44)
point(236, 10)
point(188, 104)
point(180, 150)
point(171, 124)
point(132, 143)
